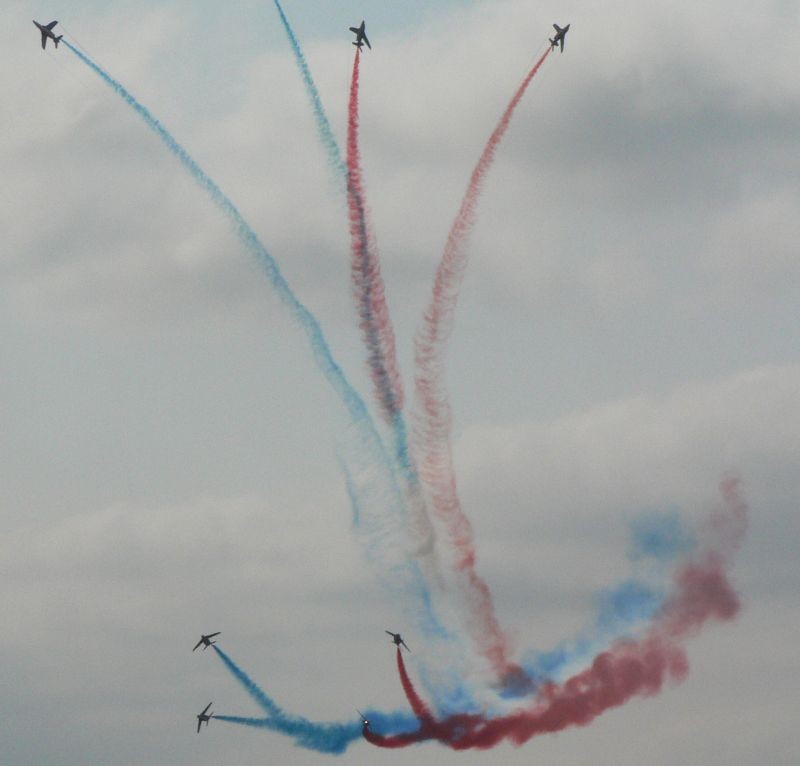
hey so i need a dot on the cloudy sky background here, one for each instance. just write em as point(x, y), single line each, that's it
point(627, 333)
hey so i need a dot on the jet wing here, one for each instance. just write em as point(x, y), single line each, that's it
point(201, 640)
point(199, 724)
point(206, 708)
point(211, 635)
point(50, 25)
point(366, 40)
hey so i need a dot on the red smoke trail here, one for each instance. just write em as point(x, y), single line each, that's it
point(702, 593)
point(418, 705)
point(378, 334)
point(375, 322)
point(432, 418)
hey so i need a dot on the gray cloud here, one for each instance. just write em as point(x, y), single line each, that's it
point(626, 334)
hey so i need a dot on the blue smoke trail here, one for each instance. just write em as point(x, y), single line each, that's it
point(323, 124)
point(321, 351)
point(332, 738)
point(252, 688)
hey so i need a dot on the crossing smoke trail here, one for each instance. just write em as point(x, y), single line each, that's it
point(432, 421)
point(398, 729)
point(629, 604)
point(378, 477)
point(368, 283)
point(375, 321)
point(378, 335)
point(369, 295)
point(701, 593)
point(323, 124)
point(701, 590)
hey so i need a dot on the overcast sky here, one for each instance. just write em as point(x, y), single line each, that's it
point(627, 333)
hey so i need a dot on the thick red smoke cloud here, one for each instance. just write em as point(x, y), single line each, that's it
point(701, 593)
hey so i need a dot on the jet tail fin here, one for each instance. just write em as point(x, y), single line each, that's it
point(57, 39)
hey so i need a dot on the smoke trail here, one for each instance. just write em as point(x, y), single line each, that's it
point(269, 705)
point(405, 576)
point(332, 738)
point(418, 705)
point(369, 289)
point(657, 539)
point(323, 124)
point(375, 322)
point(432, 417)
point(368, 283)
point(324, 737)
point(702, 593)
point(378, 336)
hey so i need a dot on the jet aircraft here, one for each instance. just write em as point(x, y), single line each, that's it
point(364, 720)
point(559, 37)
point(361, 36)
point(206, 640)
point(47, 31)
point(204, 716)
point(398, 639)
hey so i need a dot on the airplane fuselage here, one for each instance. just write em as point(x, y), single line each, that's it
point(47, 32)
point(361, 36)
point(559, 37)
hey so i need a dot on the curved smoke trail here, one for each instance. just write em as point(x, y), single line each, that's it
point(320, 349)
point(432, 420)
point(379, 477)
point(418, 705)
point(375, 321)
point(702, 593)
